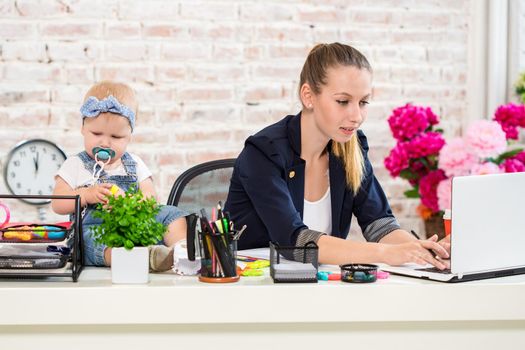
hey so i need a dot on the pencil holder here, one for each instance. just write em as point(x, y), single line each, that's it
point(218, 257)
point(358, 273)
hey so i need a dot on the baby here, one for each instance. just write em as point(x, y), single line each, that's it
point(108, 120)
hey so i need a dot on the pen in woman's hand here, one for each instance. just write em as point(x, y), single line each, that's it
point(429, 249)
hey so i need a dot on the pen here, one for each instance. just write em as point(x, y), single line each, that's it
point(414, 234)
point(238, 235)
point(225, 225)
point(219, 226)
point(219, 210)
point(429, 249)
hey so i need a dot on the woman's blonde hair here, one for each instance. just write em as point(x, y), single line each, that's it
point(320, 58)
point(122, 92)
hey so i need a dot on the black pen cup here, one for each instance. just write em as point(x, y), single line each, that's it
point(218, 257)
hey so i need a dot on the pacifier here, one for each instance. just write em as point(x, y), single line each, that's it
point(102, 157)
point(103, 154)
point(7, 214)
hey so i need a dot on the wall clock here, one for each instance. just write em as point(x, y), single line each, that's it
point(31, 167)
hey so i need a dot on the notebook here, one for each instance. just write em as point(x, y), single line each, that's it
point(488, 230)
point(290, 271)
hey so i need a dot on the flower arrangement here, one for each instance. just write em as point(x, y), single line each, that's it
point(423, 157)
point(415, 155)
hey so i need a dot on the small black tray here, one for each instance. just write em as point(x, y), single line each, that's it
point(308, 254)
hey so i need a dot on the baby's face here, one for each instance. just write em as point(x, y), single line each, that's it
point(108, 130)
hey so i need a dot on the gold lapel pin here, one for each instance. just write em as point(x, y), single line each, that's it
point(291, 174)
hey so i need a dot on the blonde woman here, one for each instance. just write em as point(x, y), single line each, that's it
point(302, 178)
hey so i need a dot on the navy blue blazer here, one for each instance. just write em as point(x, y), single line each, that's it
point(267, 189)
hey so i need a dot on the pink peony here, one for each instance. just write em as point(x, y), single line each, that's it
point(425, 144)
point(418, 168)
point(486, 138)
point(486, 168)
point(455, 159)
point(444, 194)
point(520, 156)
point(428, 189)
point(512, 165)
point(510, 117)
point(409, 121)
point(397, 160)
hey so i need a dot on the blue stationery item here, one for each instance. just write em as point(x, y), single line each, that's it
point(322, 276)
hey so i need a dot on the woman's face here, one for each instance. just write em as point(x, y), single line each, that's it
point(341, 106)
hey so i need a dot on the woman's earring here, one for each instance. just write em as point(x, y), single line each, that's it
point(310, 106)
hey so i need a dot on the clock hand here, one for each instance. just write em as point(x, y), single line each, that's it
point(36, 163)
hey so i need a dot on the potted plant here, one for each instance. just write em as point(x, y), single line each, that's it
point(129, 227)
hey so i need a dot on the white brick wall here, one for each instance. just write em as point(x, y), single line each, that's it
point(210, 73)
point(521, 35)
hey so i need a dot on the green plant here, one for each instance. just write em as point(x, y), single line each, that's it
point(128, 221)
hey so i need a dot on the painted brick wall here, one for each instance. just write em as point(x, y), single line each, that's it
point(210, 73)
point(521, 36)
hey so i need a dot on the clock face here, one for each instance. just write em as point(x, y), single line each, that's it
point(31, 167)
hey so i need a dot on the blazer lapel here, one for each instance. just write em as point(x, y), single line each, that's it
point(295, 172)
point(295, 178)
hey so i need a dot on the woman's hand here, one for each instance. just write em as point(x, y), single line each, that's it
point(97, 193)
point(418, 252)
point(445, 243)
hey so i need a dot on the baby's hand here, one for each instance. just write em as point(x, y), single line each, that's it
point(97, 193)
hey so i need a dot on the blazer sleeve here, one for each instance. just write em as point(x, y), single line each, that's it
point(370, 202)
point(262, 176)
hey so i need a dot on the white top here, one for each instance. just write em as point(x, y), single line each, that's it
point(318, 215)
point(76, 175)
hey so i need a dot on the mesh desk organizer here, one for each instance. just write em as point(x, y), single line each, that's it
point(284, 270)
point(39, 250)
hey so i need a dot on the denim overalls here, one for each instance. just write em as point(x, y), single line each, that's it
point(94, 252)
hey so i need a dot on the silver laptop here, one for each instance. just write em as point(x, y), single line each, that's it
point(488, 230)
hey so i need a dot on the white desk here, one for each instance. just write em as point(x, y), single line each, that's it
point(176, 312)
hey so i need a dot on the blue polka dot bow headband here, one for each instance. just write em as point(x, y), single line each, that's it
point(93, 107)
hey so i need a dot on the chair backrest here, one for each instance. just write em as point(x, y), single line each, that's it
point(202, 186)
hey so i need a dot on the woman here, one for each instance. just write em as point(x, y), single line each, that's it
point(301, 178)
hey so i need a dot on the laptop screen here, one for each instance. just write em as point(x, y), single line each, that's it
point(488, 222)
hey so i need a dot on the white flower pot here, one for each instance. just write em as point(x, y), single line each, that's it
point(130, 266)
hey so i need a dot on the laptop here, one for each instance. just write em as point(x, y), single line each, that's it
point(488, 230)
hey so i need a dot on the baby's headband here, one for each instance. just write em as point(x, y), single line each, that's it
point(93, 107)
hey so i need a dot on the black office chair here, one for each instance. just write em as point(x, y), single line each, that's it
point(202, 186)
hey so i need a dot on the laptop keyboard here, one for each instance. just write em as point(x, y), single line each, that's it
point(435, 270)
